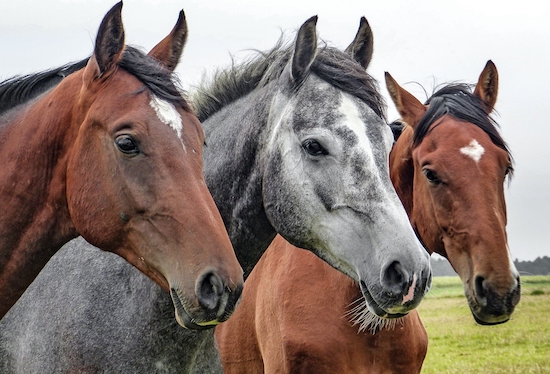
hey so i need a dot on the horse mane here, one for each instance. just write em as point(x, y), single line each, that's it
point(155, 76)
point(23, 88)
point(332, 65)
point(458, 101)
point(397, 128)
point(159, 80)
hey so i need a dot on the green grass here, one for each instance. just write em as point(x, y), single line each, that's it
point(458, 345)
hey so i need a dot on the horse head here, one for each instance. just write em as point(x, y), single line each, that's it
point(326, 184)
point(449, 166)
point(135, 183)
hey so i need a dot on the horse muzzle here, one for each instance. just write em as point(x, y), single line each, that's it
point(490, 308)
point(215, 302)
point(398, 291)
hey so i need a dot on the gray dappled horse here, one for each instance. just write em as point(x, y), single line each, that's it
point(296, 144)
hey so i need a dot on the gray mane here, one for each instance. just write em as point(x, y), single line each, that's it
point(332, 65)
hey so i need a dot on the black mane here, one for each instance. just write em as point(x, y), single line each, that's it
point(161, 82)
point(458, 101)
point(157, 78)
point(332, 65)
point(20, 89)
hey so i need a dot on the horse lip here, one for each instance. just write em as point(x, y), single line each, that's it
point(485, 319)
point(489, 323)
point(184, 319)
point(373, 306)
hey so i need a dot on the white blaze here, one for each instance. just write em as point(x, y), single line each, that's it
point(168, 114)
point(473, 150)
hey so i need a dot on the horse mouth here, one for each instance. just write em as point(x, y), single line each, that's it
point(491, 309)
point(184, 319)
point(486, 319)
point(373, 306)
point(490, 323)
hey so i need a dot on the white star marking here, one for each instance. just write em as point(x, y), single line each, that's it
point(473, 150)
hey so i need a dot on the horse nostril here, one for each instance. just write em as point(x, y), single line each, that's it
point(209, 290)
point(395, 278)
point(481, 290)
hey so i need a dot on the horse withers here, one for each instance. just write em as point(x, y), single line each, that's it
point(113, 153)
point(449, 166)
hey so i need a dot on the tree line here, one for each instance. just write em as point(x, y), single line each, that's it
point(540, 266)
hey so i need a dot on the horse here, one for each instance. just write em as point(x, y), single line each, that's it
point(449, 166)
point(113, 154)
point(297, 144)
point(299, 315)
point(316, 325)
point(287, 325)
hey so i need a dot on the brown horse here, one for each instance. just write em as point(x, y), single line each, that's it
point(113, 153)
point(284, 328)
point(305, 327)
point(448, 167)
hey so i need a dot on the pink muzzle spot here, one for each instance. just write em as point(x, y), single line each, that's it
point(410, 295)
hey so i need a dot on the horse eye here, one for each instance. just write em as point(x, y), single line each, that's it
point(431, 176)
point(126, 144)
point(314, 148)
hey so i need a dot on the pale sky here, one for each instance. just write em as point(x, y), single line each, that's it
point(428, 42)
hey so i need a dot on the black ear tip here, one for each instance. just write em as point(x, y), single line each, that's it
point(313, 20)
point(117, 7)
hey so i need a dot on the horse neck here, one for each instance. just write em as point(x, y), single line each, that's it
point(233, 173)
point(35, 219)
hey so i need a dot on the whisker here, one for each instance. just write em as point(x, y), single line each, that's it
point(359, 315)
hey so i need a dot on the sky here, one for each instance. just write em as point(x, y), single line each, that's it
point(421, 43)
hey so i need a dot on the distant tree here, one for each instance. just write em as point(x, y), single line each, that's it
point(541, 266)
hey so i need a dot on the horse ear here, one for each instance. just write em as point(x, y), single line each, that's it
point(304, 49)
point(109, 44)
point(487, 86)
point(362, 46)
point(410, 109)
point(169, 50)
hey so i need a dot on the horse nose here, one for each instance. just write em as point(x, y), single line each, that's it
point(209, 290)
point(481, 290)
point(491, 301)
point(395, 279)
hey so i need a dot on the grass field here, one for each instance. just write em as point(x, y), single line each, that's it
point(458, 345)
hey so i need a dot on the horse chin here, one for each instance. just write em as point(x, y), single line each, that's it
point(376, 309)
point(361, 316)
point(486, 319)
point(184, 319)
point(494, 321)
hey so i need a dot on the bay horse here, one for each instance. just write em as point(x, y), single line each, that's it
point(113, 153)
point(448, 167)
point(297, 144)
point(289, 324)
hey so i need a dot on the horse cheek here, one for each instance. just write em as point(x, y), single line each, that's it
point(91, 198)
